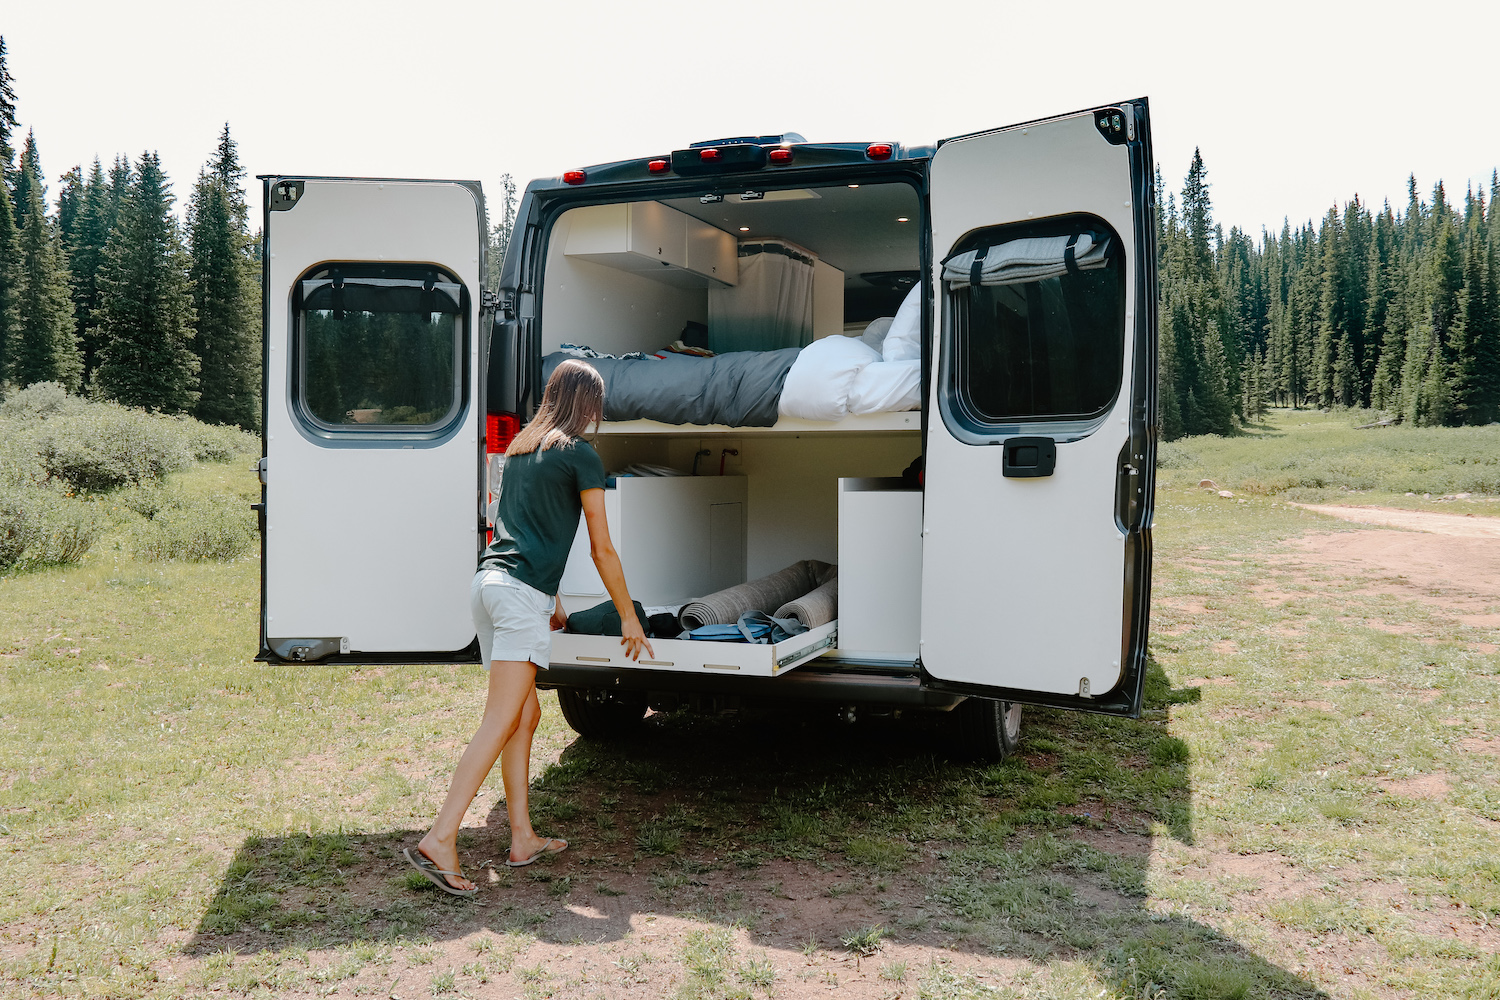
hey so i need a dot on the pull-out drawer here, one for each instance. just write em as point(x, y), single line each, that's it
point(743, 658)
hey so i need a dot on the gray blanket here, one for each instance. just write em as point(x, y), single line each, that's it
point(740, 389)
point(780, 588)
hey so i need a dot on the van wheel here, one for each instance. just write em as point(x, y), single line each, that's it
point(987, 731)
point(601, 715)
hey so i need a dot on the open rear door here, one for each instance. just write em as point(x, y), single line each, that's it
point(373, 415)
point(1041, 414)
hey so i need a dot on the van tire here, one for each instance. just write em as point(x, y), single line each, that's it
point(602, 715)
point(987, 731)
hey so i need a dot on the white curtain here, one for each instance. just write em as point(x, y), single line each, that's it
point(770, 308)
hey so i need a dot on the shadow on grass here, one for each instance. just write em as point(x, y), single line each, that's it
point(800, 830)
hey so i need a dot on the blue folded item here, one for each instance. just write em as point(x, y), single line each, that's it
point(754, 627)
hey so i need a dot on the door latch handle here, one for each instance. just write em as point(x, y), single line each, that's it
point(1028, 457)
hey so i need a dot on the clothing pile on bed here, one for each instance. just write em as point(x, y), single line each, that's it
point(803, 596)
point(878, 371)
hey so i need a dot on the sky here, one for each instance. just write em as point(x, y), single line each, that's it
point(1296, 106)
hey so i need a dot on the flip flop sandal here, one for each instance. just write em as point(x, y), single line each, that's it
point(434, 874)
point(547, 848)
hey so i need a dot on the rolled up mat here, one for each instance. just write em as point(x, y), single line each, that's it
point(818, 607)
point(726, 606)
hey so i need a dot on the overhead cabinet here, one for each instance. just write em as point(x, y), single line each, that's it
point(657, 242)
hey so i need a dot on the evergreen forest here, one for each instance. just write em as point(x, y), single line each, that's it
point(105, 291)
point(1394, 311)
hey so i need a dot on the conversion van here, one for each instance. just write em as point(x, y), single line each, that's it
point(929, 371)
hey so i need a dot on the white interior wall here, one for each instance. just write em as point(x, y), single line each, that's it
point(608, 309)
point(792, 506)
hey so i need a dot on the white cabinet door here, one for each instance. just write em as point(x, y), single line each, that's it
point(374, 412)
point(1041, 412)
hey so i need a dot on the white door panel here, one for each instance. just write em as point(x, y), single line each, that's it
point(1023, 578)
point(370, 537)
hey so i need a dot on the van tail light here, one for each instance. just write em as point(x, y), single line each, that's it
point(574, 177)
point(500, 429)
point(708, 155)
point(659, 166)
point(879, 150)
point(781, 156)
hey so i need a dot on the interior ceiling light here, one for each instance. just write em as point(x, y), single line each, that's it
point(903, 219)
point(853, 186)
point(744, 229)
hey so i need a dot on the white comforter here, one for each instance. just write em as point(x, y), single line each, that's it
point(838, 376)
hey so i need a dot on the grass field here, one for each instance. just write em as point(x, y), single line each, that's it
point(1308, 807)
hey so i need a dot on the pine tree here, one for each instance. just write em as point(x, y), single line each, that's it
point(224, 294)
point(1475, 378)
point(7, 110)
point(146, 308)
point(9, 246)
point(29, 174)
point(501, 230)
point(44, 348)
point(91, 229)
point(69, 201)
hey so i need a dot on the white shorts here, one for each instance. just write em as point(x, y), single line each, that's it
point(513, 620)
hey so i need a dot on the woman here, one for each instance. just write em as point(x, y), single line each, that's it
point(551, 474)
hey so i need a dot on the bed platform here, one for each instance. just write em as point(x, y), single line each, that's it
point(868, 423)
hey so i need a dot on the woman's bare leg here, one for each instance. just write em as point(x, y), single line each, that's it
point(515, 770)
point(512, 684)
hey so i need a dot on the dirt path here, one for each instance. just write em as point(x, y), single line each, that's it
point(1449, 562)
point(1458, 525)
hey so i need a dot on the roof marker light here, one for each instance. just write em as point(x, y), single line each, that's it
point(574, 177)
point(879, 150)
point(708, 155)
point(659, 166)
point(781, 155)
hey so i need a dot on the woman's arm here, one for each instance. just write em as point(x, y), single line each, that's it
point(607, 561)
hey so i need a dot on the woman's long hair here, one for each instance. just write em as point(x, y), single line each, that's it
point(573, 399)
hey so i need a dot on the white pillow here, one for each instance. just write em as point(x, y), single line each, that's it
point(886, 386)
point(817, 385)
point(874, 334)
point(904, 341)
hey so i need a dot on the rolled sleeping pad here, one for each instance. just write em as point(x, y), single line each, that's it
point(725, 606)
point(818, 607)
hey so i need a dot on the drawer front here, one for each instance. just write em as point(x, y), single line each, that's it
point(687, 656)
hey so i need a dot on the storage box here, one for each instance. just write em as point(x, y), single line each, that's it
point(880, 569)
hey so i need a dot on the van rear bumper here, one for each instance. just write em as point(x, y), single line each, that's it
point(852, 686)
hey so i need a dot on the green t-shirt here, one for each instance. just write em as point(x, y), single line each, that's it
point(537, 516)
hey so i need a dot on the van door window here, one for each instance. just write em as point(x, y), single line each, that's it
point(1036, 325)
point(379, 350)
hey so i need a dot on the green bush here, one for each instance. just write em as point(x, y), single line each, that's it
point(40, 526)
point(18, 524)
point(197, 529)
point(108, 446)
point(47, 435)
point(35, 402)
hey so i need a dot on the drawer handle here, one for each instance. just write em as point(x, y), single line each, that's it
point(721, 666)
point(593, 659)
point(657, 663)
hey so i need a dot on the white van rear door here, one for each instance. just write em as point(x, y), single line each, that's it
point(374, 411)
point(1041, 411)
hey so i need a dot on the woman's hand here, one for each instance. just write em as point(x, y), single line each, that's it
point(559, 616)
point(633, 638)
